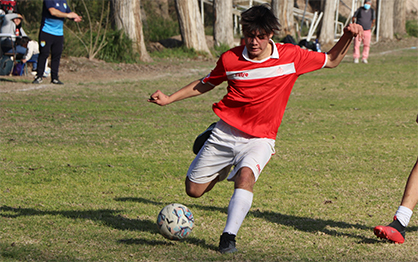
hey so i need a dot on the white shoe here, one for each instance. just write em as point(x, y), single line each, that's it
point(364, 61)
point(355, 60)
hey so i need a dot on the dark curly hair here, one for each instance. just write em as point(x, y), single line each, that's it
point(259, 18)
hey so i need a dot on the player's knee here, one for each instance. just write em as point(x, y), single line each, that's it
point(245, 179)
point(192, 192)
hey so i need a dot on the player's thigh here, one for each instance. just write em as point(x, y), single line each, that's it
point(255, 155)
point(212, 160)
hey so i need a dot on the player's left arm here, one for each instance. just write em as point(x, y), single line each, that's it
point(337, 53)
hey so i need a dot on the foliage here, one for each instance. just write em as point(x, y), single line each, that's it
point(97, 30)
point(157, 27)
point(412, 28)
point(218, 50)
point(118, 48)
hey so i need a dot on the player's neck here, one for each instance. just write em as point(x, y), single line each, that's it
point(265, 54)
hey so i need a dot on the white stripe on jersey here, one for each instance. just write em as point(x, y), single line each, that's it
point(265, 72)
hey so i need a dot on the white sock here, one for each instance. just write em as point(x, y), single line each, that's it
point(403, 214)
point(239, 205)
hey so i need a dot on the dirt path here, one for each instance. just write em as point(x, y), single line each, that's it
point(74, 71)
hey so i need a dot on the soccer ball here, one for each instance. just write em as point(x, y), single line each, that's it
point(175, 221)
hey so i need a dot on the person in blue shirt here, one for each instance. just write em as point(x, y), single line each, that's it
point(51, 36)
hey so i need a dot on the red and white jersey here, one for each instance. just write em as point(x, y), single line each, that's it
point(258, 91)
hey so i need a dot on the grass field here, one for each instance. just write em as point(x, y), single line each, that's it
point(85, 169)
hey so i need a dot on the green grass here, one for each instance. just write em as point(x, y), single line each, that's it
point(85, 169)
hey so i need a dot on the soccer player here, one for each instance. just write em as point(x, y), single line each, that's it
point(395, 231)
point(260, 77)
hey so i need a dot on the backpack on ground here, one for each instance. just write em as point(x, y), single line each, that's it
point(18, 69)
point(289, 40)
point(6, 66)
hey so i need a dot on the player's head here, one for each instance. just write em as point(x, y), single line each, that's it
point(259, 19)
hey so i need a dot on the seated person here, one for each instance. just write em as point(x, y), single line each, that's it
point(32, 50)
point(12, 24)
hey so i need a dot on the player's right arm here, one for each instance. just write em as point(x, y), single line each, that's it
point(195, 88)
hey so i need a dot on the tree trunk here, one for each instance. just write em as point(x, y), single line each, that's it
point(191, 26)
point(386, 19)
point(399, 17)
point(283, 10)
point(326, 36)
point(128, 18)
point(223, 26)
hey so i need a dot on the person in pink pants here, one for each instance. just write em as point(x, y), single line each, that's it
point(366, 17)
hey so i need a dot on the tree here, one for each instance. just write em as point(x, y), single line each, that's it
point(399, 17)
point(191, 26)
point(327, 28)
point(386, 19)
point(223, 25)
point(283, 10)
point(128, 18)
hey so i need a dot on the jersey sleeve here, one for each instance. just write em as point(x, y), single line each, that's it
point(217, 75)
point(49, 4)
point(308, 61)
point(63, 6)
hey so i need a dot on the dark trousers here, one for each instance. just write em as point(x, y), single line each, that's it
point(48, 42)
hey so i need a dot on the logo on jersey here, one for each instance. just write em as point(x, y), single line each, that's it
point(204, 80)
point(241, 75)
point(262, 73)
point(43, 43)
point(57, 4)
point(65, 5)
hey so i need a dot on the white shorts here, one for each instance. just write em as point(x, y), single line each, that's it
point(229, 147)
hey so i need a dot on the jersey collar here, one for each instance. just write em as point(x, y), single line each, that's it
point(274, 55)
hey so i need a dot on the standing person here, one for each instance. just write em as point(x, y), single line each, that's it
point(260, 76)
point(51, 36)
point(395, 231)
point(366, 17)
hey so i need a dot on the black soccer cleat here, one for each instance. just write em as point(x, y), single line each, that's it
point(37, 80)
point(56, 82)
point(227, 244)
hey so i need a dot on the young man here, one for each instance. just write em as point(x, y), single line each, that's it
point(51, 36)
point(395, 231)
point(260, 77)
point(366, 17)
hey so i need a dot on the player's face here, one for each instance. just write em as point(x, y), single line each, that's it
point(258, 45)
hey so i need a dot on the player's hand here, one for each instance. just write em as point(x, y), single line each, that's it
point(74, 17)
point(159, 98)
point(354, 30)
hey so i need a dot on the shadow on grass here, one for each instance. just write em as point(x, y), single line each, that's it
point(305, 224)
point(108, 217)
point(8, 80)
point(29, 252)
